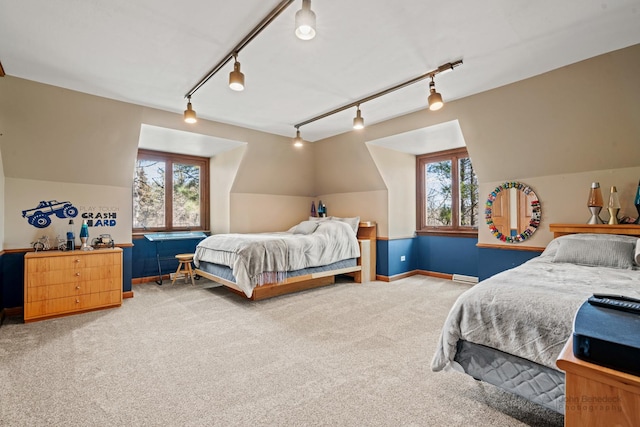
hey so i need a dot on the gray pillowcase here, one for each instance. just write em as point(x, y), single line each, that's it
point(605, 253)
point(306, 227)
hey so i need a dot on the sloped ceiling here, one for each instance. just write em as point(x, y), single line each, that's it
point(152, 52)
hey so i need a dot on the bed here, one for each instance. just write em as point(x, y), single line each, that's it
point(263, 265)
point(509, 329)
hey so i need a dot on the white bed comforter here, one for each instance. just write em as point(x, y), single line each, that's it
point(266, 257)
point(528, 311)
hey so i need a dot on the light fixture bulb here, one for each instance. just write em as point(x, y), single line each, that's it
point(236, 78)
point(358, 121)
point(189, 113)
point(435, 99)
point(305, 22)
point(298, 141)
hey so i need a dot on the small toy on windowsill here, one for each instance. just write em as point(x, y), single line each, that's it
point(103, 241)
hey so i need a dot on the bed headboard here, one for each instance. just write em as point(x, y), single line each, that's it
point(563, 229)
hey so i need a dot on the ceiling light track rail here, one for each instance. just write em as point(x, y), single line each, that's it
point(441, 69)
point(245, 41)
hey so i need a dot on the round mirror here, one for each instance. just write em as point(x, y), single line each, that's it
point(513, 212)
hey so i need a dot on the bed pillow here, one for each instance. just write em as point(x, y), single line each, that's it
point(353, 222)
point(637, 256)
point(604, 253)
point(306, 227)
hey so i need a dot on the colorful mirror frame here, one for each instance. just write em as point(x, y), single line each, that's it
point(536, 212)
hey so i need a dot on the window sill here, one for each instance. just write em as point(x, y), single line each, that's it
point(449, 233)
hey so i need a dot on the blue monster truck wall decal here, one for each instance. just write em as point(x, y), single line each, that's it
point(40, 215)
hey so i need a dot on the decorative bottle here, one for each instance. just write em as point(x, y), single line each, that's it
point(71, 238)
point(637, 203)
point(614, 206)
point(84, 236)
point(595, 203)
point(313, 209)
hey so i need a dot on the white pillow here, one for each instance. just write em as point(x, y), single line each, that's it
point(353, 222)
point(637, 256)
point(306, 227)
point(605, 253)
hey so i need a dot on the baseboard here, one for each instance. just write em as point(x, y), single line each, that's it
point(140, 280)
point(127, 294)
point(436, 274)
point(13, 311)
point(413, 273)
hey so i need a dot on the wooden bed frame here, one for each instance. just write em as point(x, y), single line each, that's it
point(360, 272)
point(564, 229)
point(291, 284)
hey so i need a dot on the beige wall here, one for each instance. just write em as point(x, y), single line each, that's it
point(22, 194)
point(399, 173)
point(224, 167)
point(563, 199)
point(59, 144)
point(573, 125)
point(267, 212)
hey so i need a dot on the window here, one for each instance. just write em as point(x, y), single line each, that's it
point(170, 192)
point(447, 193)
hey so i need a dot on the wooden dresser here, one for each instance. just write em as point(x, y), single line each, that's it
point(60, 283)
point(596, 395)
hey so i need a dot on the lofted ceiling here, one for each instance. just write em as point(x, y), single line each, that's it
point(152, 52)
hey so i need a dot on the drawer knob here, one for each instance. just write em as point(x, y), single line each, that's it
point(77, 287)
point(77, 301)
point(76, 260)
point(78, 274)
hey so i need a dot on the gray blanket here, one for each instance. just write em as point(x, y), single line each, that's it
point(528, 311)
point(266, 257)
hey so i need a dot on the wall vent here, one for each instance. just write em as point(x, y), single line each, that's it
point(464, 279)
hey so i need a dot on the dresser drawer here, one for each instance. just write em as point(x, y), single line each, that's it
point(73, 261)
point(64, 305)
point(61, 290)
point(45, 278)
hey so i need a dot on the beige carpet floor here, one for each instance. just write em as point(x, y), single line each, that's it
point(183, 355)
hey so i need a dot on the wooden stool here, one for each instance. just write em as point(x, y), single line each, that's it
point(184, 267)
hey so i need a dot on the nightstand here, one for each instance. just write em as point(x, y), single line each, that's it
point(598, 396)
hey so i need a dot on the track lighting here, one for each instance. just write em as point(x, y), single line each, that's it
point(189, 113)
point(435, 99)
point(298, 141)
point(305, 22)
point(358, 121)
point(236, 78)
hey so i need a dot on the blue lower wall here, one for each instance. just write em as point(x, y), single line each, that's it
point(448, 255)
point(145, 261)
point(493, 261)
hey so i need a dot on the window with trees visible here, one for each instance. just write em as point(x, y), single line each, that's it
point(447, 193)
point(170, 192)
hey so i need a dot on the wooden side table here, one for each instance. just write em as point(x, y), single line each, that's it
point(598, 396)
point(367, 233)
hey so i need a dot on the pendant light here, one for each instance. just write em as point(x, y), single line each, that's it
point(435, 99)
point(189, 113)
point(298, 141)
point(236, 78)
point(358, 121)
point(305, 22)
